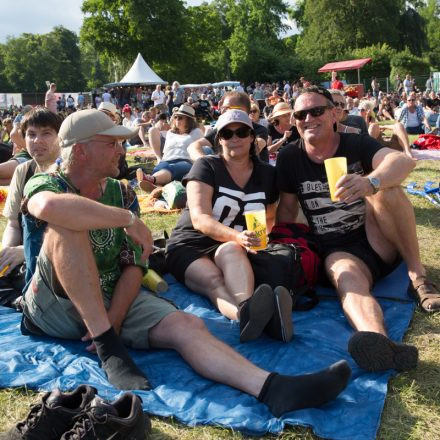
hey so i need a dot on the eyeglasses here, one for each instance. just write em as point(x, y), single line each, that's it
point(300, 115)
point(339, 104)
point(242, 132)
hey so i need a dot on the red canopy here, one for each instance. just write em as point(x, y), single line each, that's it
point(345, 65)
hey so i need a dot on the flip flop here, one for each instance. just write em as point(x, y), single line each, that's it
point(426, 294)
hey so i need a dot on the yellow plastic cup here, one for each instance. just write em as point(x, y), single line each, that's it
point(153, 281)
point(256, 222)
point(336, 167)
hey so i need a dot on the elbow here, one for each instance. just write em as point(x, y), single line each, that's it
point(41, 207)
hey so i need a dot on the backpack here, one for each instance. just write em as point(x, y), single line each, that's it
point(290, 261)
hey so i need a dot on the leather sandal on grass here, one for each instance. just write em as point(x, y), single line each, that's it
point(426, 293)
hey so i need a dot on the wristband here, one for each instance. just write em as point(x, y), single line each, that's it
point(132, 219)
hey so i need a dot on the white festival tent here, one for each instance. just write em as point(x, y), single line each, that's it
point(140, 74)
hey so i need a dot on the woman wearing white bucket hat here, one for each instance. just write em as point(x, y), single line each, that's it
point(207, 250)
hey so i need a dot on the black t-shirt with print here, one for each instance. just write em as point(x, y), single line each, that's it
point(334, 223)
point(229, 201)
point(275, 134)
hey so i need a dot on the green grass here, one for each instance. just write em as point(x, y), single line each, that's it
point(412, 407)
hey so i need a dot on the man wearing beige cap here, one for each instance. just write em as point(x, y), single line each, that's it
point(89, 270)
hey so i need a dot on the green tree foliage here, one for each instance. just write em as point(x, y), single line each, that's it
point(32, 59)
point(122, 28)
point(255, 47)
point(379, 66)
point(405, 62)
point(334, 27)
point(431, 15)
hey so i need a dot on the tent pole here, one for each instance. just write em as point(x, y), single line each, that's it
point(359, 76)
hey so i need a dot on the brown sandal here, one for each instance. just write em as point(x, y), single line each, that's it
point(426, 293)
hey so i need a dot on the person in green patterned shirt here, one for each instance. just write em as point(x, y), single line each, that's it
point(89, 269)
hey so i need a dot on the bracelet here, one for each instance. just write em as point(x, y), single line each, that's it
point(132, 219)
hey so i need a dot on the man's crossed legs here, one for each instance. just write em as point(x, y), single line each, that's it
point(67, 260)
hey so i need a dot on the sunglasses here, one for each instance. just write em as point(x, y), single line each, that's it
point(410, 100)
point(300, 115)
point(242, 132)
point(179, 117)
point(255, 111)
point(339, 104)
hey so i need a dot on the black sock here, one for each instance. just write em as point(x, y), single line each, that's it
point(283, 394)
point(121, 371)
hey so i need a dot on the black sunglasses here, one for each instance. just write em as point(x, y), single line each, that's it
point(242, 132)
point(255, 111)
point(339, 104)
point(314, 111)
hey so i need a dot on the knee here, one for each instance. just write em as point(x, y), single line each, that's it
point(56, 237)
point(388, 198)
point(183, 325)
point(231, 249)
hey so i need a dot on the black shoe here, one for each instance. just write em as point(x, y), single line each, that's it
point(53, 416)
point(375, 352)
point(280, 325)
point(122, 419)
point(256, 312)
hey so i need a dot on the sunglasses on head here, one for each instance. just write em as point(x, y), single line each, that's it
point(242, 132)
point(314, 111)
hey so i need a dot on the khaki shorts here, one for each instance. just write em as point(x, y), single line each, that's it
point(47, 307)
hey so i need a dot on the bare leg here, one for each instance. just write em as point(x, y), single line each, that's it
point(402, 137)
point(162, 177)
point(79, 278)
point(391, 227)
point(352, 280)
point(204, 277)
point(208, 356)
point(142, 136)
point(154, 141)
point(217, 361)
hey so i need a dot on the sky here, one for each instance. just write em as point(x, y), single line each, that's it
point(41, 16)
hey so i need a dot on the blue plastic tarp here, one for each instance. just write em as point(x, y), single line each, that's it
point(321, 337)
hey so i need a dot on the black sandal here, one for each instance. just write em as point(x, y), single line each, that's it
point(426, 293)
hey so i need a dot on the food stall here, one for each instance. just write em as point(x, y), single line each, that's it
point(353, 90)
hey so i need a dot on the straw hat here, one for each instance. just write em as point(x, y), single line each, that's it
point(280, 109)
point(186, 110)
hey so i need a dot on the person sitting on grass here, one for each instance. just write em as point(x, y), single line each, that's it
point(174, 161)
point(399, 139)
point(412, 116)
point(207, 250)
point(365, 234)
point(82, 211)
point(40, 127)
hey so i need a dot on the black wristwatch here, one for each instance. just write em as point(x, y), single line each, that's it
point(375, 183)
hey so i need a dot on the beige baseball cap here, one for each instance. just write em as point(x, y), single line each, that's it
point(84, 124)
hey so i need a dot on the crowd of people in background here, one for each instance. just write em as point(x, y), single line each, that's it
point(152, 110)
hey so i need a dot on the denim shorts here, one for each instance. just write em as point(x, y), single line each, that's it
point(178, 167)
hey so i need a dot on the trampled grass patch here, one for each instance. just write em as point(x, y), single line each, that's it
point(412, 408)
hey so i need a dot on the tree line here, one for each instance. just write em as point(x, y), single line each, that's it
point(225, 39)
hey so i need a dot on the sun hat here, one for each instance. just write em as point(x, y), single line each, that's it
point(186, 110)
point(366, 105)
point(107, 107)
point(231, 117)
point(84, 124)
point(282, 108)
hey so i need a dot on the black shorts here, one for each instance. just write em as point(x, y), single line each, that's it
point(361, 248)
point(180, 257)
